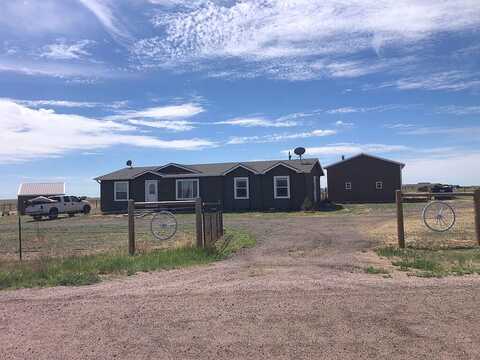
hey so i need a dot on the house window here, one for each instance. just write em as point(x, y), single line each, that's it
point(348, 186)
point(379, 185)
point(187, 189)
point(121, 191)
point(241, 188)
point(281, 187)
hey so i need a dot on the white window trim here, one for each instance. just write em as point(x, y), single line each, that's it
point(348, 185)
point(275, 187)
point(115, 190)
point(379, 183)
point(235, 179)
point(176, 188)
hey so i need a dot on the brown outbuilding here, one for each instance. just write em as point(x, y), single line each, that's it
point(364, 178)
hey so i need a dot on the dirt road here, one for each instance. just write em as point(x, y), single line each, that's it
point(300, 294)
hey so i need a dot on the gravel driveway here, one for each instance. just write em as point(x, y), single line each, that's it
point(301, 293)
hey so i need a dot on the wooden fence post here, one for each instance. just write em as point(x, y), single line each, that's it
point(131, 227)
point(400, 223)
point(476, 204)
point(199, 221)
point(20, 250)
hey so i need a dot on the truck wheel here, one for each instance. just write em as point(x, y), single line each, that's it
point(86, 209)
point(71, 215)
point(53, 213)
point(37, 217)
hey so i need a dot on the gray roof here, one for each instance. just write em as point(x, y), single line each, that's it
point(214, 169)
point(367, 155)
point(31, 189)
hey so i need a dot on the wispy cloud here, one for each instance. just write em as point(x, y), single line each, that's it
point(454, 80)
point(279, 137)
point(104, 12)
point(343, 124)
point(352, 148)
point(302, 39)
point(67, 51)
point(68, 103)
point(472, 131)
point(28, 134)
point(171, 117)
point(352, 109)
point(257, 122)
point(459, 110)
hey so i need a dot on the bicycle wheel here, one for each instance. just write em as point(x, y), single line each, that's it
point(163, 225)
point(438, 216)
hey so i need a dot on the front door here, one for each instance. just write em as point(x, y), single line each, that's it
point(151, 190)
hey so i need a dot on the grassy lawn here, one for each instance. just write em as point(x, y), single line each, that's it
point(434, 263)
point(89, 269)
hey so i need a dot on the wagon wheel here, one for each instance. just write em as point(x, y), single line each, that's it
point(163, 225)
point(439, 216)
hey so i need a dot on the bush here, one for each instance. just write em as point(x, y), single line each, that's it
point(307, 204)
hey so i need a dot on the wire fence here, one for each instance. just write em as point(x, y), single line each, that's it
point(85, 234)
point(443, 222)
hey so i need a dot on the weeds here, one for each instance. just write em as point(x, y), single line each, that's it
point(84, 270)
point(434, 263)
point(374, 270)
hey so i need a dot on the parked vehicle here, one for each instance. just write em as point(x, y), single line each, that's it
point(53, 206)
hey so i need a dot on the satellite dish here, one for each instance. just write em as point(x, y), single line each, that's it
point(129, 163)
point(299, 151)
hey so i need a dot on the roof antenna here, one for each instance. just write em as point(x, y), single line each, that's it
point(289, 155)
point(299, 151)
point(129, 163)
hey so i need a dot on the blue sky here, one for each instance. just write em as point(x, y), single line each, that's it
point(87, 84)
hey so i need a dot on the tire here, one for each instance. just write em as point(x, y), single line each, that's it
point(86, 209)
point(37, 217)
point(71, 215)
point(445, 206)
point(53, 213)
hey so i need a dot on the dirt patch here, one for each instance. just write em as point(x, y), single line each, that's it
point(301, 293)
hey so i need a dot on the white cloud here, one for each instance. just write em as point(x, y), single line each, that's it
point(459, 110)
point(454, 80)
point(175, 125)
point(344, 124)
point(104, 12)
point(161, 112)
point(257, 122)
point(351, 148)
point(279, 137)
point(301, 39)
point(27, 134)
point(64, 51)
point(463, 132)
point(351, 109)
point(67, 103)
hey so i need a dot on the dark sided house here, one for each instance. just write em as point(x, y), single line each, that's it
point(364, 179)
point(239, 186)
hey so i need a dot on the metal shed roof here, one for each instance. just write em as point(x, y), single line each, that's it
point(30, 189)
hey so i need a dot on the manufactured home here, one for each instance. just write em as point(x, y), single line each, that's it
point(239, 186)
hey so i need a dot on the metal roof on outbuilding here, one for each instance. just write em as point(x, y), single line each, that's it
point(32, 189)
point(402, 165)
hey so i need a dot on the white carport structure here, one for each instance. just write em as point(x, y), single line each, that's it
point(27, 191)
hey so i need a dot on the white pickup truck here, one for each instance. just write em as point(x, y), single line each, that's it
point(55, 205)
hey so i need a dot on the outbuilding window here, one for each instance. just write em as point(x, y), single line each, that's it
point(281, 187)
point(348, 185)
point(240, 185)
point(120, 190)
point(379, 185)
point(186, 189)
